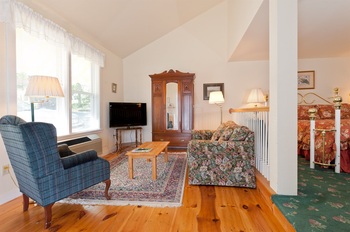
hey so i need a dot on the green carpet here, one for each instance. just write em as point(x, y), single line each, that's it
point(323, 201)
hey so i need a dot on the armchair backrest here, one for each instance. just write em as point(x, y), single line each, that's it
point(31, 147)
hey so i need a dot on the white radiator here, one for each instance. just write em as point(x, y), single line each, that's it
point(81, 144)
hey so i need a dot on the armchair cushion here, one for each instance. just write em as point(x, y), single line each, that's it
point(64, 150)
point(77, 159)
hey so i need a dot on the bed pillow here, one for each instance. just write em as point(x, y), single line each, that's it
point(326, 111)
point(345, 111)
point(303, 112)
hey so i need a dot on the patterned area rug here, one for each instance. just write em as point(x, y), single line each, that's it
point(166, 191)
point(323, 201)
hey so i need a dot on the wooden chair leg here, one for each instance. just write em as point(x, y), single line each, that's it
point(25, 202)
point(108, 184)
point(48, 215)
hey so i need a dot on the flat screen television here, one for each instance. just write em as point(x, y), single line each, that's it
point(127, 114)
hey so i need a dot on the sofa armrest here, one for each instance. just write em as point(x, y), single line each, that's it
point(203, 147)
point(202, 134)
point(225, 163)
point(79, 158)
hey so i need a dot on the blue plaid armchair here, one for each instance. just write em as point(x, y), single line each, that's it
point(44, 175)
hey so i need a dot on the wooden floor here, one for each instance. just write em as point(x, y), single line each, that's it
point(205, 208)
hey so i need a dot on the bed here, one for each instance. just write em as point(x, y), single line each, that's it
point(324, 142)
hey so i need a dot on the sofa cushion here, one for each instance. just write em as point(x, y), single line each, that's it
point(239, 133)
point(224, 131)
point(217, 133)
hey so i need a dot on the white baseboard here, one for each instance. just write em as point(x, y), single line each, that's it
point(8, 196)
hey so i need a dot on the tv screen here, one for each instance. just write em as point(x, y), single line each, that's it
point(127, 114)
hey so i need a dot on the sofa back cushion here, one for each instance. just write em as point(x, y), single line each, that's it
point(217, 133)
point(240, 133)
point(230, 131)
point(223, 130)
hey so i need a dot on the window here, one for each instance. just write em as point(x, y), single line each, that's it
point(75, 113)
point(85, 100)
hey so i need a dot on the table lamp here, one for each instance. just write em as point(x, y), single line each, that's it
point(256, 96)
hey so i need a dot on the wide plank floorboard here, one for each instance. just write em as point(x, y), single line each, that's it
point(205, 208)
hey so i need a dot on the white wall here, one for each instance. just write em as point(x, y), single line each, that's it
point(329, 73)
point(8, 188)
point(203, 51)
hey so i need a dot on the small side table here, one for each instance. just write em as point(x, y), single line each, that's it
point(119, 137)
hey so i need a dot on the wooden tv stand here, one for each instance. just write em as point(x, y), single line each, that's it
point(119, 137)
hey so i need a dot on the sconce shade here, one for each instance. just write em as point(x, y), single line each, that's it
point(216, 97)
point(256, 96)
point(44, 86)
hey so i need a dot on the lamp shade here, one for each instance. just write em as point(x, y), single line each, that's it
point(216, 97)
point(44, 86)
point(256, 96)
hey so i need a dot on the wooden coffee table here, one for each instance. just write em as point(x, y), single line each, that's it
point(157, 148)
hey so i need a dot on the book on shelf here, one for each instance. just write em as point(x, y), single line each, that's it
point(142, 150)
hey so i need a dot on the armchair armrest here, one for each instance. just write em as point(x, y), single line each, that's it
point(202, 134)
point(79, 158)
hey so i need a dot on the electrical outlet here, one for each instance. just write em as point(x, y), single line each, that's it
point(5, 169)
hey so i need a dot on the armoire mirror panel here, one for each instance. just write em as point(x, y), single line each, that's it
point(172, 107)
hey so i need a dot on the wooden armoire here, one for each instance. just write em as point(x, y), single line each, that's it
point(172, 107)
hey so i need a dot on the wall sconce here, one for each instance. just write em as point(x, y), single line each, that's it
point(256, 96)
point(216, 97)
point(43, 86)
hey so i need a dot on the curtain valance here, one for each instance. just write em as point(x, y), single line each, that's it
point(21, 16)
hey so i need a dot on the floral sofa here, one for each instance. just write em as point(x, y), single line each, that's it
point(222, 157)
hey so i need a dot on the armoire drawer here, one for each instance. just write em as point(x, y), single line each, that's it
point(175, 140)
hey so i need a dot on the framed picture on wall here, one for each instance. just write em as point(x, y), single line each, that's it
point(306, 79)
point(207, 88)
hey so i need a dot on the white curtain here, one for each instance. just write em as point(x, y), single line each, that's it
point(21, 16)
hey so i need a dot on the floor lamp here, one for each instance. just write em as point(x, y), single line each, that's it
point(43, 86)
point(216, 97)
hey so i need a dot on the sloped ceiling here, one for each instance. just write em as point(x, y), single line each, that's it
point(323, 31)
point(124, 26)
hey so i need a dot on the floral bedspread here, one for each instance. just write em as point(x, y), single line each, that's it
point(329, 145)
